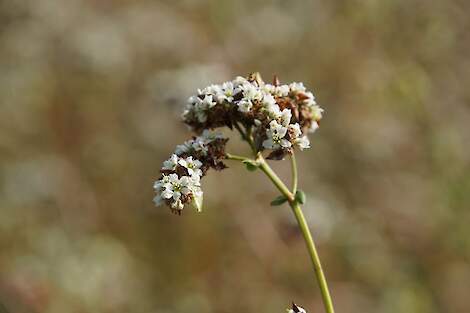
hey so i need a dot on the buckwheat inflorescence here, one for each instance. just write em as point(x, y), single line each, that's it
point(274, 117)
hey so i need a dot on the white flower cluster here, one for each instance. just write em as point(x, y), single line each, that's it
point(270, 117)
point(177, 190)
point(199, 144)
point(279, 115)
point(180, 182)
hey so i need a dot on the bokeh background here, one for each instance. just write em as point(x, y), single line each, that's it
point(90, 97)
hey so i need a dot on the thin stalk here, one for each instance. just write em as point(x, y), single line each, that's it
point(293, 163)
point(264, 166)
point(249, 137)
point(314, 257)
point(235, 157)
point(296, 209)
point(240, 130)
point(312, 250)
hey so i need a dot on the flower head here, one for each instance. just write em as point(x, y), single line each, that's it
point(278, 117)
point(171, 163)
point(180, 182)
point(192, 166)
point(276, 134)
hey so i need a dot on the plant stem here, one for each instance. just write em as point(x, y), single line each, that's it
point(264, 166)
point(293, 163)
point(242, 133)
point(312, 250)
point(314, 257)
point(230, 156)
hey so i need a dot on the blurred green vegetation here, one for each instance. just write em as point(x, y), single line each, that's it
point(90, 97)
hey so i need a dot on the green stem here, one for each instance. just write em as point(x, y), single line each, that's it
point(249, 136)
point(242, 133)
point(293, 163)
point(264, 166)
point(230, 156)
point(296, 209)
point(314, 257)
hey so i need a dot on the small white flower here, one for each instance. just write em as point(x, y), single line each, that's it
point(158, 185)
point(158, 200)
point(295, 130)
point(310, 101)
point(276, 129)
point(268, 88)
point(313, 127)
point(251, 92)
point(199, 145)
point(285, 117)
point(281, 91)
point(195, 180)
point(244, 106)
point(212, 90)
point(176, 187)
point(317, 112)
point(183, 148)
point(196, 191)
point(208, 136)
point(302, 142)
point(276, 134)
point(297, 87)
point(273, 111)
point(177, 205)
point(192, 166)
point(227, 91)
point(171, 163)
point(238, 81)
point(201, 106)
point(268, 101)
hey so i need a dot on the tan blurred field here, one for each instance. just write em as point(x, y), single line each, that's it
point(90, 97)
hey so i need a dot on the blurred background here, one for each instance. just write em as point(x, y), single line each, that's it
point(90, 98)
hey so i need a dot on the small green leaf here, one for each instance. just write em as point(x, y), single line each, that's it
point(278, 200)
point(300, 197)
point(251, 165)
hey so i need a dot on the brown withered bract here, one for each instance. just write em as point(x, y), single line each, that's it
point(279, 154)
point(276, 81)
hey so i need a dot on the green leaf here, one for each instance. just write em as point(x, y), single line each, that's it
point(251, 165)
point(278, 200)
point(300, 197)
